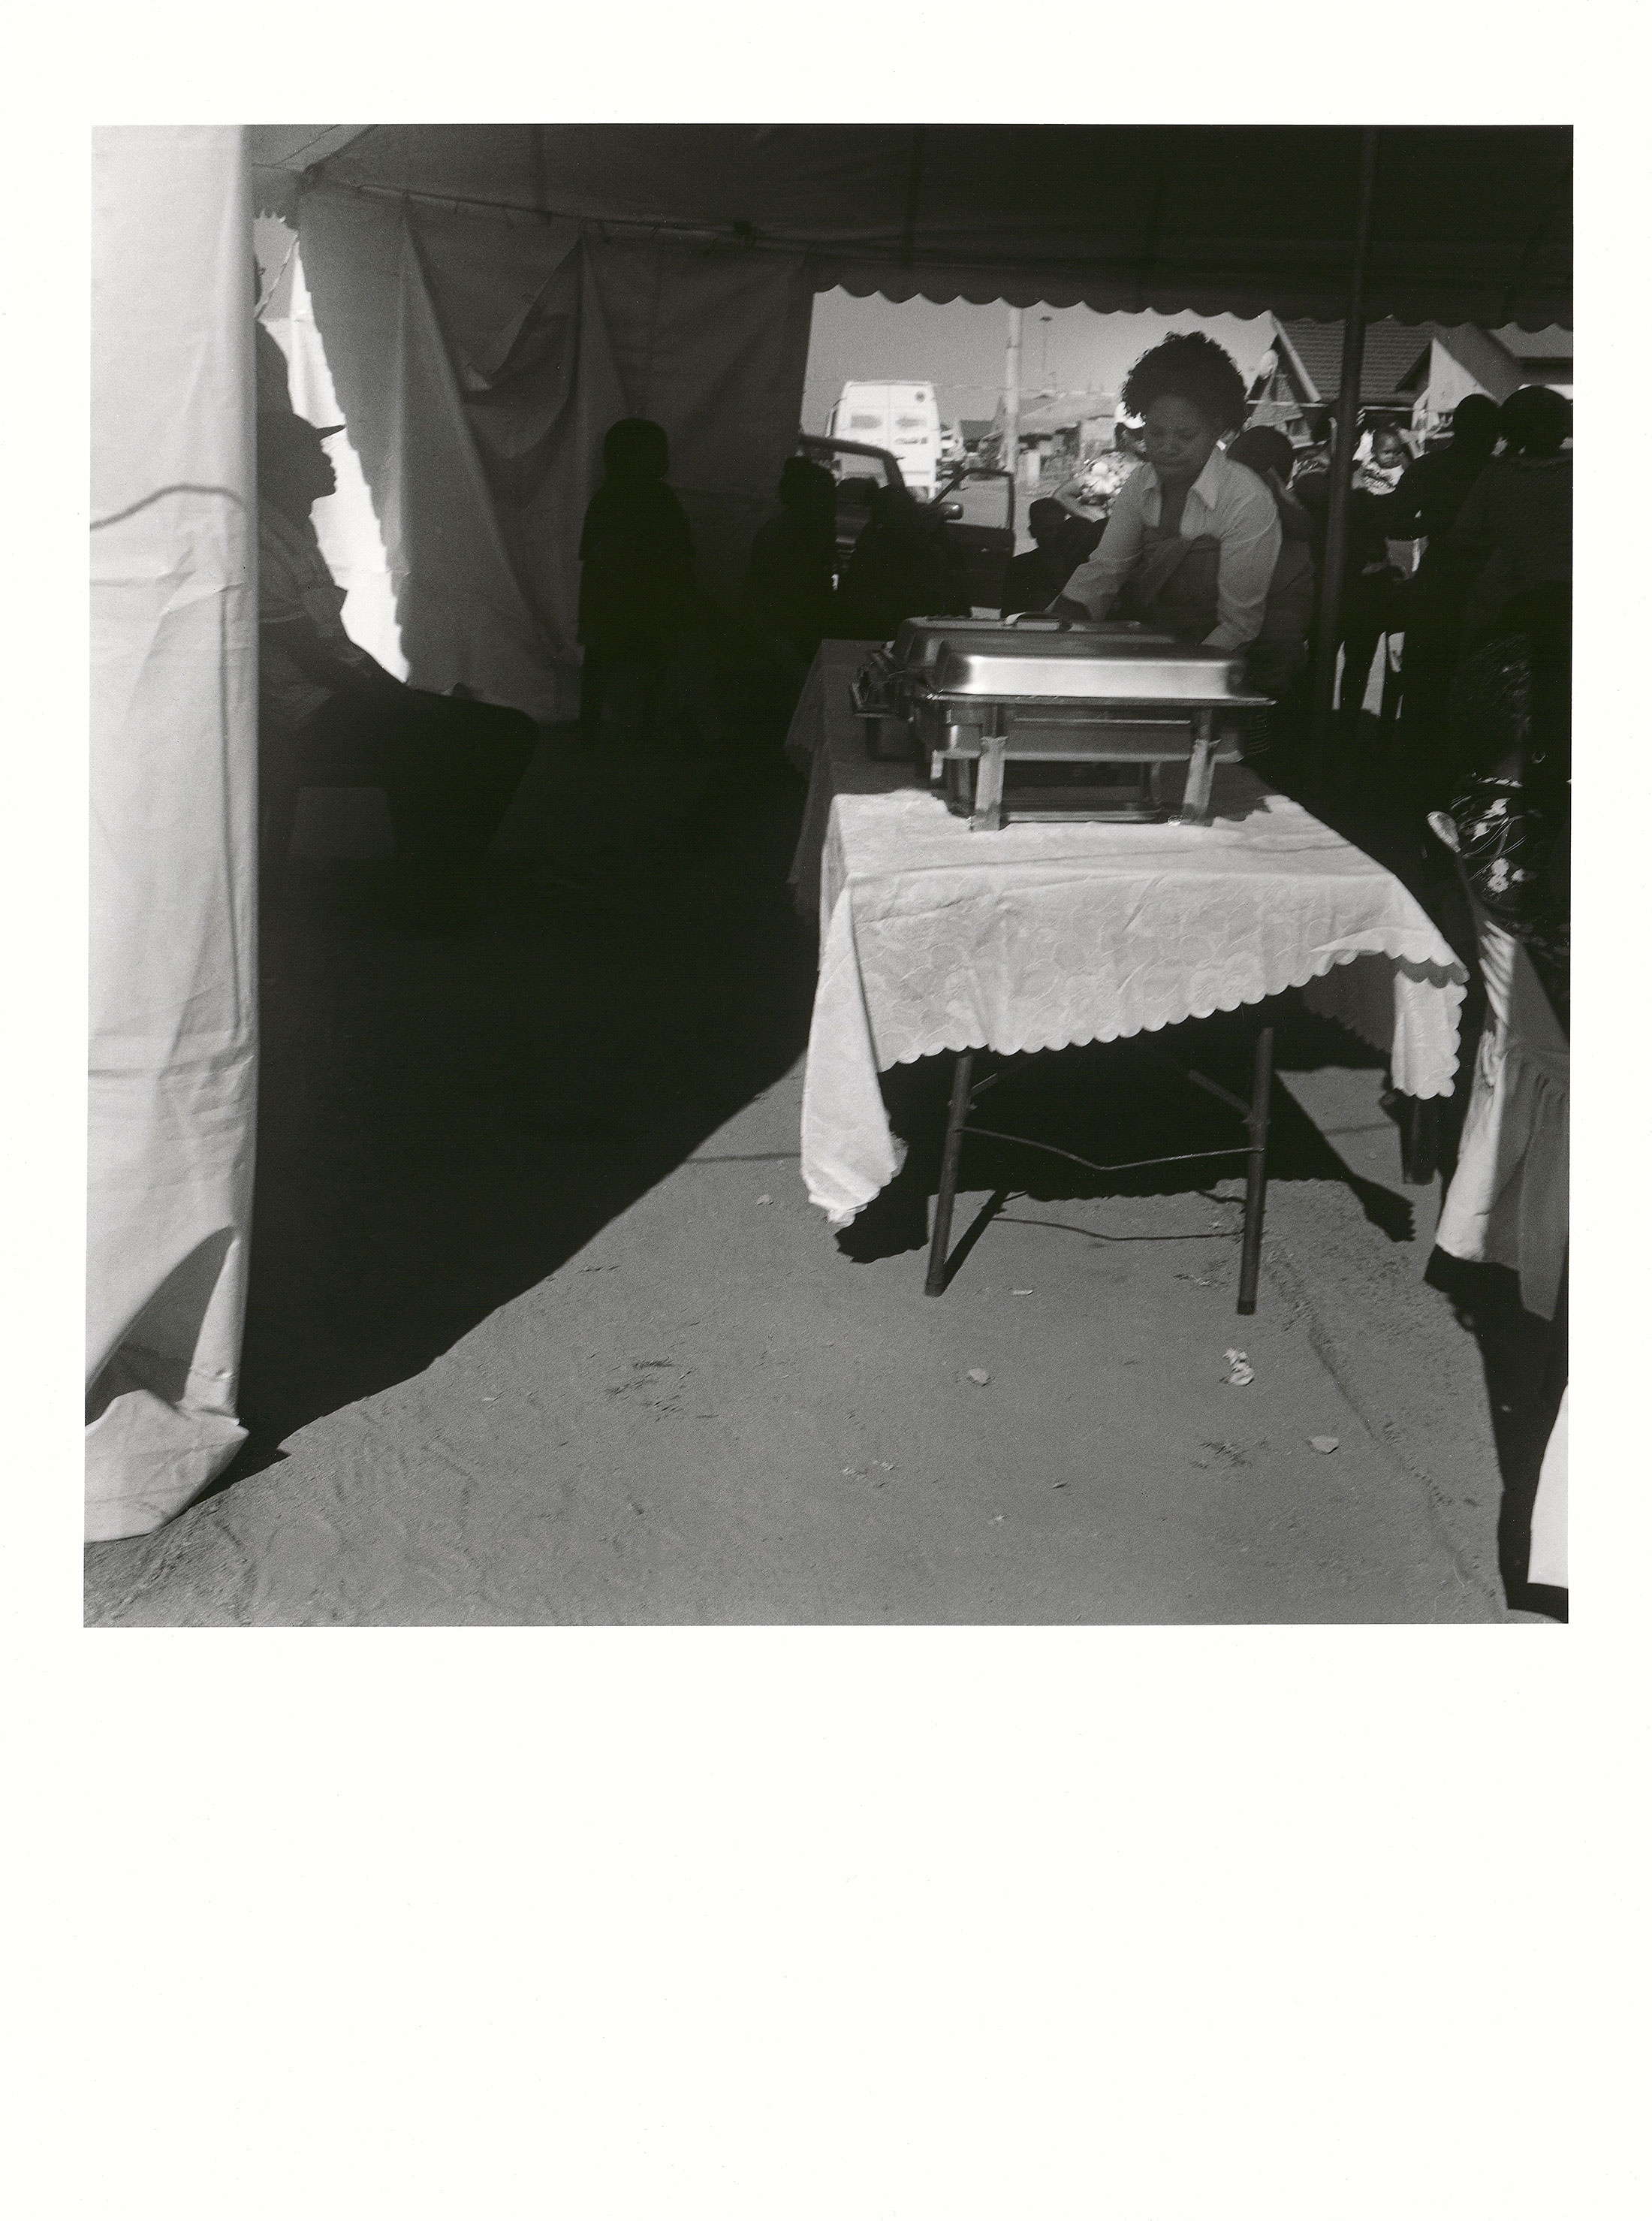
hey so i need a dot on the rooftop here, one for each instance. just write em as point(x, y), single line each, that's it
point(1392, 350)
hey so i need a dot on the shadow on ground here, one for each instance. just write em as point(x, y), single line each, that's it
point(443, 1120)
point(1114, 1103)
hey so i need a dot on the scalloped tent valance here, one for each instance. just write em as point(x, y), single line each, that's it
point(1472, 224)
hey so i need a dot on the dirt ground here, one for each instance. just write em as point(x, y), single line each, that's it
point(543, 1328)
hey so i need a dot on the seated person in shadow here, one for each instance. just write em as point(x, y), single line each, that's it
point(902, 567)
point(1064, 540)
point(330, 715)
point(638, 602)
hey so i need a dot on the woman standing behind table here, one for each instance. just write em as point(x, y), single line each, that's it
point(1192, 539)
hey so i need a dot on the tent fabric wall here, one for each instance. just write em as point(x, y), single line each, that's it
point(173, 785)
point(479, 358)
point(345, 527)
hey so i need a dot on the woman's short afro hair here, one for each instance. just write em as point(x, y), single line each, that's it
point(1194, 369)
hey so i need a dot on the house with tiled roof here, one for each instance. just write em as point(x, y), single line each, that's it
point(1300, 376)
point(1466, 359)
point(1417, 372)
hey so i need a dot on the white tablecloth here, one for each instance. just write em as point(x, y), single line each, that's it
point(1509, 1201)
point(826, 742)
point(1548, 1550)
point(933, 937)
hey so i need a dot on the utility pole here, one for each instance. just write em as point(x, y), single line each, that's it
point(1012, 441)
point(1342, 466)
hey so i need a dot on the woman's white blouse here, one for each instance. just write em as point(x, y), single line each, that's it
point(1225, 502)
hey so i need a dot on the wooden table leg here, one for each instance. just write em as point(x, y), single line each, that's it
point(1256, 1176)
point(946, 1193)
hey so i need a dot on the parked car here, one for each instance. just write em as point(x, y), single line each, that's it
point(860, 469)
point(981, 545)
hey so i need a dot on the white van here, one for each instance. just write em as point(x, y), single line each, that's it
point(904, 418)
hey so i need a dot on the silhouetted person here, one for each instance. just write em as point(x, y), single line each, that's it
point(636, 593)
point(325, 708)
point(1515, 527)
point(788, 593)
point(901, 568)
point(1426, 504)
point(1062, 541)
point(1433, 489)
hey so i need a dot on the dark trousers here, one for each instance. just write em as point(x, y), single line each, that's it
point(448, 769)
point(673, 680)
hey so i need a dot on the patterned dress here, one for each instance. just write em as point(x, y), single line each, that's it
point(1511, 834)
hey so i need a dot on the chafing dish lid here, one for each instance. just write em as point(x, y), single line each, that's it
point(920, 640)
point(1026, 670)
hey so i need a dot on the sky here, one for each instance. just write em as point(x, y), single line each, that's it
point(959, 349)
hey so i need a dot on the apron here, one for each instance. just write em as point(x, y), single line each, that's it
point(1172, 583)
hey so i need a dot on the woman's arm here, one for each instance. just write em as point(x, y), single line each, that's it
point(1094, 587)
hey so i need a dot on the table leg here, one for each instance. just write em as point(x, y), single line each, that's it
point(1255, 1178)
point(946, 1193)
point(1419, 1140)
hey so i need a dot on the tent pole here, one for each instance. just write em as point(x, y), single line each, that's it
point(1011, 444)
point(1342, 463)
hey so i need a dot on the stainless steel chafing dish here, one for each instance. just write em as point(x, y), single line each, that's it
point(884, 690)
point(1039, 728)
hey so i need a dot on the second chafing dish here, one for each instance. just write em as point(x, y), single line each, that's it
point(1100, 717)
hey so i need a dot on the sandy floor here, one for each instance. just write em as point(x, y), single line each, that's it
point(545, 1331)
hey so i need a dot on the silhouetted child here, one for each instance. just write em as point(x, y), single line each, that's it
point(637, 590)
